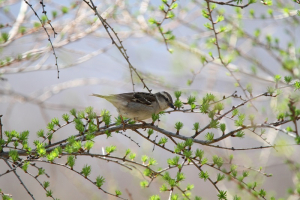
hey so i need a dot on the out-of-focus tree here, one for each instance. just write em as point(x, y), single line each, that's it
point(232, 67)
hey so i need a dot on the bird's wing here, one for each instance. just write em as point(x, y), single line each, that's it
point(144, 98)
point(138, 97)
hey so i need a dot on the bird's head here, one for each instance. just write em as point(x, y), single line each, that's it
point(164, 100)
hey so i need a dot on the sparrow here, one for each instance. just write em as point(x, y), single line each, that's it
point(139, 105)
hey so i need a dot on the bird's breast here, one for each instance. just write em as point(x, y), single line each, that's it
point(138, 111)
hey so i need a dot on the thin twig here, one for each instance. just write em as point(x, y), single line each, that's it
point(1, 125)
point(119, 45)
point(219, 50)
point(65, 166)
point(233, 107)
point(43, 25)
point(229, 4)
point(129, 138)
point(24, 186)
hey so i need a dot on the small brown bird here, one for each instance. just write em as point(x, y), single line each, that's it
point(139, 105)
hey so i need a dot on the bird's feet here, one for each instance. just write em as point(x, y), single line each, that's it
point(124, 127)
point(144, 123)
point(123, 123)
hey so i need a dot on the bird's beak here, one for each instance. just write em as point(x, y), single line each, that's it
point(171, 105)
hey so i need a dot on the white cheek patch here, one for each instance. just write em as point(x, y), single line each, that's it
point(166, 96)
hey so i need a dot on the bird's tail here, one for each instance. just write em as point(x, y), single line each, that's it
point(98, 95)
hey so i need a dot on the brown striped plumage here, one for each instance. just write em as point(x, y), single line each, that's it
point(139, 105)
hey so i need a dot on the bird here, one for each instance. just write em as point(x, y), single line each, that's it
point(139, 106)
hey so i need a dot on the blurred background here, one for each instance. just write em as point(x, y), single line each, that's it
point(260, 41)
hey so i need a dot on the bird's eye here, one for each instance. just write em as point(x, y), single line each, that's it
point(165, 98)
